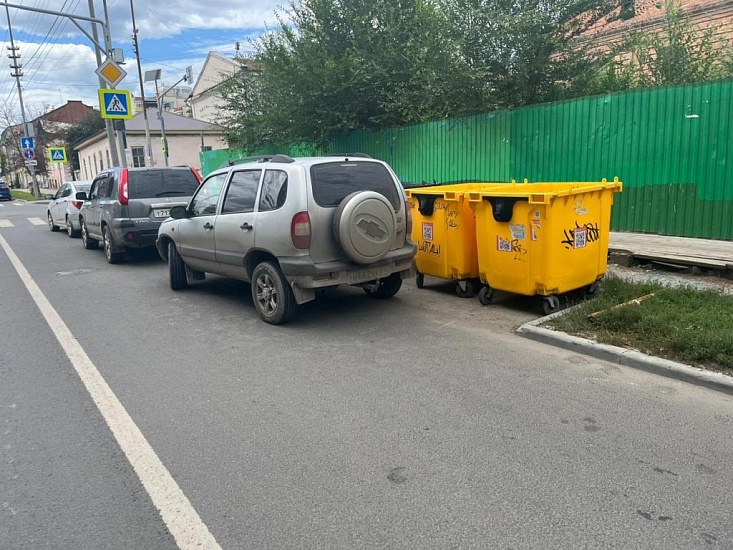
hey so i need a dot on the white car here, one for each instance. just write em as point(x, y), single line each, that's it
point(63, 210)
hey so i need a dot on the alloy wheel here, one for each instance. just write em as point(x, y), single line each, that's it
point(267, 296)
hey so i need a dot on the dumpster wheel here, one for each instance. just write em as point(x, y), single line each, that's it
point(465, 289)
point(419, 279)
point(485, 295)
point(550, 304)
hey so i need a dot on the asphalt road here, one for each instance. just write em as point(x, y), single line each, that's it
point(420, 422)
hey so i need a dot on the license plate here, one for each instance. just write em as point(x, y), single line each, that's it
point(365, 275)
point(161, 212)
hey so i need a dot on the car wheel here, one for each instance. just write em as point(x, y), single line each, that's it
point(109, 251)
point(70, 231)
point(365, 226)
point(86, 240)
point(272, 295)
point(53, 227)
point(386, 288)
point(176, 269)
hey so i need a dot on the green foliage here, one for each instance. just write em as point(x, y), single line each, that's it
point(680, 53)
point(337, 65)
point(678, 323)
point(77, 133)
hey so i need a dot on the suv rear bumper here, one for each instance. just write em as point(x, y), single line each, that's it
point(138, 234)
point(306, 276)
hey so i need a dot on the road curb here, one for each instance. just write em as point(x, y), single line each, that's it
point(623, 356)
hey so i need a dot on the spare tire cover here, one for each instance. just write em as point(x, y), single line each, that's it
point(365, 225)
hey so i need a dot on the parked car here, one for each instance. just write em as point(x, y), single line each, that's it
point(125, 206)
point(5, 192)
point(63, 210)
point(293, 226)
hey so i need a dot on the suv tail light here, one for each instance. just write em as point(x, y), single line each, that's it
point(77, 204)
point(123, 187)
point(300, 230)
point(408, 220)
point(196, 173)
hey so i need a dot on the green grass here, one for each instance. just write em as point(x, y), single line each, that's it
point(683, 324)
point(23, 195)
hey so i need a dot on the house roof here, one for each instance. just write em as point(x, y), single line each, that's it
point(174, 124)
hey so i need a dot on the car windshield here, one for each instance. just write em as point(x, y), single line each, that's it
point(148, 184)
point(334, 181)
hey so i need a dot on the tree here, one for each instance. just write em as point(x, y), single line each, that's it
point(77, 133)
point(679, 53)
point(338, 65)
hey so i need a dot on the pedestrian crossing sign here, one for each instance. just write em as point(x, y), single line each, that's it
point(115, 103)
point(57, 154)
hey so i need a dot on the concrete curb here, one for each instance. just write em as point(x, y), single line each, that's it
point(623, 356)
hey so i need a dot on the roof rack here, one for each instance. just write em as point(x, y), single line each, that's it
point(281, 158)
point(352, 155)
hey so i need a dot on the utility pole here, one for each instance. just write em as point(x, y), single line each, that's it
point(17, 74)
point(136, 47)
point(108, 46)
point(102, 84)
point(161, 113)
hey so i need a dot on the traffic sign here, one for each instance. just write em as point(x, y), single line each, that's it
point(27, 143)
point(115, 103)
point(31, 163)
point(57, 154)
point(111, 72)
point(29, 154)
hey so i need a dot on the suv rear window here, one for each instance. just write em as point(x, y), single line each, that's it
point(334, 181)
point(148, 184)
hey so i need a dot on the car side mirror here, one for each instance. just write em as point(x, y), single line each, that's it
point(49, 197)
point(81, 196)
point(178, 212)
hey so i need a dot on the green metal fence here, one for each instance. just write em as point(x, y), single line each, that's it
point(672, 148)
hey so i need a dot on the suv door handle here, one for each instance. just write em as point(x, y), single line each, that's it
point(207, 225)
point(245, 227)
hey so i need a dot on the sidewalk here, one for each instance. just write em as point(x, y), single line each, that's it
point(673, 251)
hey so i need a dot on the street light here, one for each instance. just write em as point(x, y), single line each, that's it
point(151, 76)
point(154, 75)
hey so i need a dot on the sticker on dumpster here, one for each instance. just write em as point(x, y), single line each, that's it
point(519, 232)
point(579, 209)
point(427, 231)
point(503, 245)
point(537, 214)
point(533, 229)
point(581, 234)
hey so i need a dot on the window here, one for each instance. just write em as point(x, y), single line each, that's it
point(96, 168)
point(109, 162)
point(206, 148)
point(334, 181)
point(94, 193)
point(274, 190)
point(60, 193)
point(242, 192)
point(65, 190)
point(205, 201)
point(138, 157)
point(86, 172)
point(101, 161)
point(105, 187)
point(163, 182)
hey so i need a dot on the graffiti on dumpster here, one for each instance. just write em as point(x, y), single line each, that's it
point(450, 220)
point(511, 245)
point(429, 248)
point(580, 235)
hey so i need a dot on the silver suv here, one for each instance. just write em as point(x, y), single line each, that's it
point(292, 226)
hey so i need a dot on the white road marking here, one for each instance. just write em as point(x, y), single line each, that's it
point(183, 522)
point(17, 203)
point(36, 221)
point(6, 223)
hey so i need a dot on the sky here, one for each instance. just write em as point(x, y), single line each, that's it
point(58, 59)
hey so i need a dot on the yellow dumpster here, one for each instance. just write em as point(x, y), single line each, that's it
point(542, 238)
point(443, 227)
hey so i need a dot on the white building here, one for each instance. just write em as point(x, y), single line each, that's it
point(205, 101)
point(187, 137)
